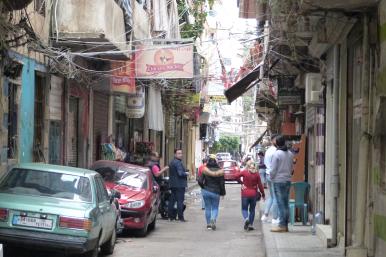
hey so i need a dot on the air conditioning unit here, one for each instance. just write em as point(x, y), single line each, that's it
point(315, 96)
point(313, 85)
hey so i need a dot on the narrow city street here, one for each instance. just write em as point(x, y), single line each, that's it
point(192, 239)
point(174, 239)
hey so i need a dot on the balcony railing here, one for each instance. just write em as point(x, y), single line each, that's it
point(95, 26)
point(333, 4)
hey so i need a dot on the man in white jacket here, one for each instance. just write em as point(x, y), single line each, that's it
point(281, 173)
point(271, 202)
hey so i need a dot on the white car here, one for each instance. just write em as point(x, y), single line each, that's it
point(223, 156)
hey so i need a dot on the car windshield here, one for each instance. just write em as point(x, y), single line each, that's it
point(135, 180)
point(110, 175)
point(227, 164)
point(46, 183)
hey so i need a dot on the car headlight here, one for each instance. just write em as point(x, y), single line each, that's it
point(135, 204)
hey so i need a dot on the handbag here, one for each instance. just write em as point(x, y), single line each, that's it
point(258, 196)
point(201, 180)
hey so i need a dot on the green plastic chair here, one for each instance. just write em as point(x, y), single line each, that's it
point(301, 190)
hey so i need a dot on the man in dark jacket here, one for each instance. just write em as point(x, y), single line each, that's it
point(178, 182)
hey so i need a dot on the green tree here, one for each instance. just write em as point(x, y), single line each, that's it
point(226, 144)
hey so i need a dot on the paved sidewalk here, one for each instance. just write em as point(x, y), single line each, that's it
point(298, 242)
point(192, 184)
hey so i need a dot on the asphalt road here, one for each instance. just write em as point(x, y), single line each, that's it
point(175, 239)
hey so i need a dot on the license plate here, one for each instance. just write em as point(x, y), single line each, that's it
point(31, 222)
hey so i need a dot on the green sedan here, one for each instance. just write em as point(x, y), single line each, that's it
point(57, 208)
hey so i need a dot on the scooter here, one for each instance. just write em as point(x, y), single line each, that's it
point(165, 196)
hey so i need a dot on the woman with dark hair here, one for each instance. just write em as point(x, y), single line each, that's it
point(213, 187)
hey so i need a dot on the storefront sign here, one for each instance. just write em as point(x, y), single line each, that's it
point(136, 103)
point(289, 100)
point(290, 96)
point(218, 99)
point(172, 61)
point(123, 77)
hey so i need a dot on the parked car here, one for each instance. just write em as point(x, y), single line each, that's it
point(223, 156)
point(140, 194)
point(57, 208)
point(231, 169)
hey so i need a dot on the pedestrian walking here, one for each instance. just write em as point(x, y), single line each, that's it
point(252, 191)
point(281, 172)
point(178, 181)
point(262, 168)
point(155, 167)
point(199, 174)
point(271, 203)
point(213, 187)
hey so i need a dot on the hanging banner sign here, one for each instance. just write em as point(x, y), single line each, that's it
point(217, 99)
point(160, 62)
point(136, 103)
point(123, 77)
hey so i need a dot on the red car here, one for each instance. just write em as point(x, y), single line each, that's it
point(140, 194)
point(231, 169)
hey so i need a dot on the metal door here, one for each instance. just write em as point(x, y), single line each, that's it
point(73, 133)
point(54, 154)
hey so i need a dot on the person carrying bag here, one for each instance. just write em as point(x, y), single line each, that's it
point(251, 191)
point(212, 183)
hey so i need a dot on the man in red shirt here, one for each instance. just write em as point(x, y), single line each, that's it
point(154, 166)
point(251, 191)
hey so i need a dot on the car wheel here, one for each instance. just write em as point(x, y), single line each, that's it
point(94, 252)
point(108, 247)
point(143, 232)
point(153, 223)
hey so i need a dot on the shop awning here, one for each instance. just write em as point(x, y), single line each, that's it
point(243, 85)
point(258, 140)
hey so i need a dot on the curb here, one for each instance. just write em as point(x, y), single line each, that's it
point(269, 240)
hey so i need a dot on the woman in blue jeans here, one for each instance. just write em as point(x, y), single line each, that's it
point(213, 188)
point(251, 191)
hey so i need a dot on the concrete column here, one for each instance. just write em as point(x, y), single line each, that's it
point(90, 139)
point(363, 166)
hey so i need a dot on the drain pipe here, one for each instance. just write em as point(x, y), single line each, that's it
point(362, 185)
point(335, 171)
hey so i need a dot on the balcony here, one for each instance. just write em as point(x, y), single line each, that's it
point(90, 26)
point(349, 5)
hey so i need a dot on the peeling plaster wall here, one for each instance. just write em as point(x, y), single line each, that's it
point(378, 171)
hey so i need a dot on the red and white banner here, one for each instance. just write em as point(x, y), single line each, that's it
point(123, 77)
point(160, 62)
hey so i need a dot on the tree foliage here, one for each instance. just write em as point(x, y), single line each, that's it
point(226, 144)
point(195, 29)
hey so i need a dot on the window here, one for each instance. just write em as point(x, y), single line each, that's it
point(40, 7)
point(101, 190)
point(12, 121)
point(49, 184)
point(135, 180)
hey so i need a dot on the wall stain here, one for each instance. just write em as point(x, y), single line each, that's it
point(380, 226)
point(376, 176)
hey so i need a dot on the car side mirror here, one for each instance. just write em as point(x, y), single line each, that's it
point(155, 189)
point(115, 194)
